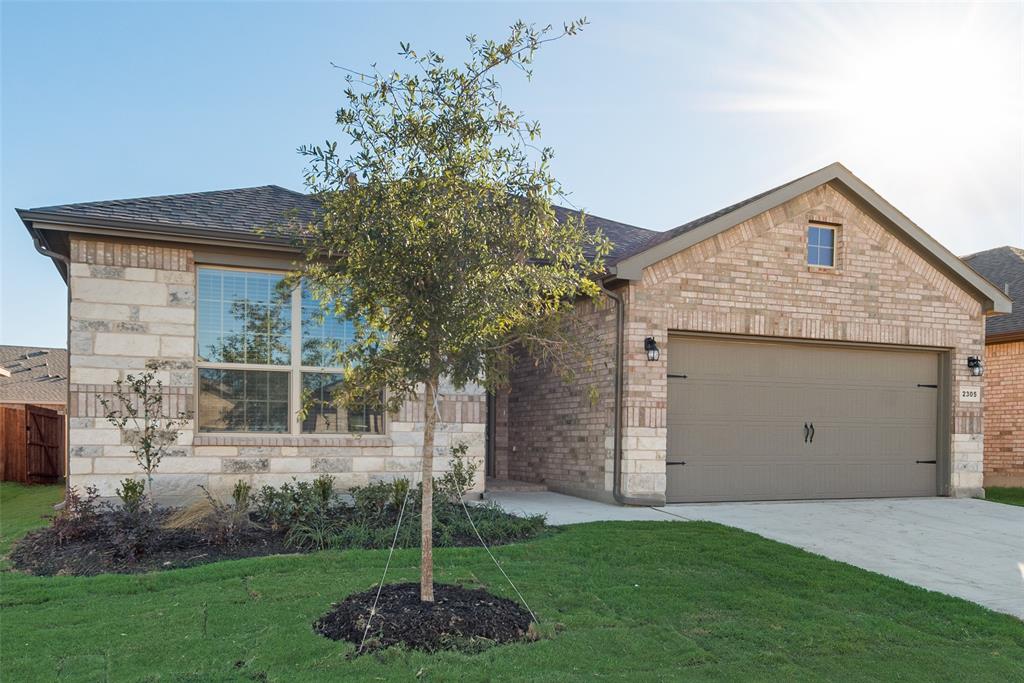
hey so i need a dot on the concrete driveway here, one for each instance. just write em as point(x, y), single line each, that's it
point(972, 549)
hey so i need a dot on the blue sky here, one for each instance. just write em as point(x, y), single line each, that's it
point(658, 113)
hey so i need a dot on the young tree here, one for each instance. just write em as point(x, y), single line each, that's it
point(137, 410)
point(438, 237)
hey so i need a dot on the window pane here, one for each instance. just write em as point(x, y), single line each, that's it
point(323, 334)
point(243, 318)
point(324, 417)
point(243, 401)
point(820, 246)
point(812, 236)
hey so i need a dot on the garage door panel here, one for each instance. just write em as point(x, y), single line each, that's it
point(737, 418)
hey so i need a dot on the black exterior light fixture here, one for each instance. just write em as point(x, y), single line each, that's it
point(651, 347)
point(975, 366)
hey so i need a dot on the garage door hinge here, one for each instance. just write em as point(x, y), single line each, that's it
point(677, 462)
point(926, 462)
point(677, 376)
point(928, 386)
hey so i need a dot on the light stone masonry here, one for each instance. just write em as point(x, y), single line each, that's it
point(134, 302)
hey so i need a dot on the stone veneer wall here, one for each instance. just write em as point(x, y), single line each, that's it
point(753, 280)
point(1004, 413)
point(131, 303)
point(562, 434)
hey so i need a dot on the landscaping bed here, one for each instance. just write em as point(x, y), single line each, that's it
point(89, 537)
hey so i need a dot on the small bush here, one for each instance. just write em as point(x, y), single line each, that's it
point(226, 522)
point(293, 503)
point(241, 494)
point(132, 494)
point(323, 488)
point(79, 515)
point(314, 532)
point(380, 501)
point(460, 478)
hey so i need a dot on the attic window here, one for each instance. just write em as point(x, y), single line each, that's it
point(821, 246)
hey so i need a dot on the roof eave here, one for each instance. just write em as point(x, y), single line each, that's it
point(992, 298)
point(163, 232)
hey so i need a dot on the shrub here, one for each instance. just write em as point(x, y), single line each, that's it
point(221, 523)
point(323, 488)
point(284, 507)
point(79, 515)
point(459, 479)
point(241, 494)
point(226, 522)
point(132, 494)
point(314, 532)
point(380, 501)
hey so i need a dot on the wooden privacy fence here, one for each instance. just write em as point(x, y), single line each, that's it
point(31, 444)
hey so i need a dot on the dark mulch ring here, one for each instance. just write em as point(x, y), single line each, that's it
point(459, 618)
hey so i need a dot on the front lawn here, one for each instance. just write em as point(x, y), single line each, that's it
point(619, 601)
point(24, 507)
point(1005, 494)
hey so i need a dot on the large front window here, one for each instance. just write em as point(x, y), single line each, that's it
point(250, 378)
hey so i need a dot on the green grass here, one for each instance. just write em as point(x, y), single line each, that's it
point(619, 601)
point(1005, 494)
point(24, 507)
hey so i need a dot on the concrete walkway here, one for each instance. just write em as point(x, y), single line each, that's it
point(972, 549)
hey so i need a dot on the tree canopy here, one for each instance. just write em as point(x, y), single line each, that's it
point(437, 234)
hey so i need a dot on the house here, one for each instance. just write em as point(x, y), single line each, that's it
point(33, 396)
point(809, 342)
point(1004, 369)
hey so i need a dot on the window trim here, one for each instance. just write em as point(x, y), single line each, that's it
point(294, 367)
point(834, 229)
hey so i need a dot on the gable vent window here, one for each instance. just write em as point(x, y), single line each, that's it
point(821, 246)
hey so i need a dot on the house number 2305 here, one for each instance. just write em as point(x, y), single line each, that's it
point(970, 394)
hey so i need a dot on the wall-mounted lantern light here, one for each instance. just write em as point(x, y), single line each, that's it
point(651, 347)
point(975, 366)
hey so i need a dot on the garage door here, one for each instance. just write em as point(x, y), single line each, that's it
point(765, 420)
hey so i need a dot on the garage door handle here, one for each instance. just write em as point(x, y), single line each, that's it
point(806, 432)
point(812, 432)
point(925, 462)
point(677, 462)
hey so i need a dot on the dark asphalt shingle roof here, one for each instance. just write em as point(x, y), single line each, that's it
point(271, 208)
point(660, 237)
point(1003, 267)
point(37, 375)
point(233, 211)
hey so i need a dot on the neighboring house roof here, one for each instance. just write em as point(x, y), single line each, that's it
point(234, 216)
point(33, 375)
point(1003, 267)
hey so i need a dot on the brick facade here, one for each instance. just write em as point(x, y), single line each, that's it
point(753, 279)
point(1004, 413)
point(132, 303)
point(561, 434)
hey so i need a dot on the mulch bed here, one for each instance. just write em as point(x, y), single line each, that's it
point(459, 618)
point(103, 551)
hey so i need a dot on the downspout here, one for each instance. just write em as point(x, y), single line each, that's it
point(37, 242)
point(620, 330)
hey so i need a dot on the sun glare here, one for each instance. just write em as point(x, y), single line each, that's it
point(917, 86)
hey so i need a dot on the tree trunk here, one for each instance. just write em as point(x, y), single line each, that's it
point(427, 508)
